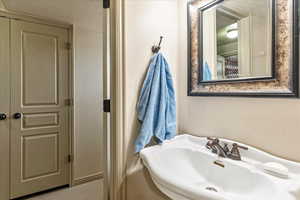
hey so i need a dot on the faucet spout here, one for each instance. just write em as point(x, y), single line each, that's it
point(220, 151)
point(216, 148)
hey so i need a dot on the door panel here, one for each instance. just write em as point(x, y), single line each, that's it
point(4, 108)
point(45, 159)
point(38, 120)
point(39, 139)
point(39, 65)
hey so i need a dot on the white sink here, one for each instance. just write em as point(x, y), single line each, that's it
point(184, 169)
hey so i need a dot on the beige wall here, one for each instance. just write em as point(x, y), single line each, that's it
point(88, 104)
point(2, 7)
point(145, 22)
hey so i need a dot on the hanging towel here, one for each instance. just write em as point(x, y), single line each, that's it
point(157, 106)
point(206, 72)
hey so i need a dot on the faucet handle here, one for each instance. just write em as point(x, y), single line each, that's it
point(239, 146)
point(235, 153)
point(210, 138)
point(213, 140)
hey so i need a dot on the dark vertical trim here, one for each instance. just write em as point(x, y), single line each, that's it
point(106, 105)
point(200, 47)
point(295, 47)
point(189, 60)
point(106, 4)
point(274, 38)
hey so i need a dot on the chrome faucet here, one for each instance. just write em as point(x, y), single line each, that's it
point(214, 145)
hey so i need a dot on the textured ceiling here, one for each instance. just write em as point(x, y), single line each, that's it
point(84, 13)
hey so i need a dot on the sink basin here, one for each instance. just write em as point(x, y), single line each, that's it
point(184, 169)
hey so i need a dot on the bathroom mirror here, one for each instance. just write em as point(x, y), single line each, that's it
point(237, 40)
point(243, 47)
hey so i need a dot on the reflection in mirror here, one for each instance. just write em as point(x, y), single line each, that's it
point(236, 40)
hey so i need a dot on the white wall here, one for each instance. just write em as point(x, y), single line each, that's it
point(145, 22)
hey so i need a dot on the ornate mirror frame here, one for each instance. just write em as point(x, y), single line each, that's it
point(284, 81)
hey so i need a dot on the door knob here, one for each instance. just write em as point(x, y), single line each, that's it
point(17, 115)
point(3, 116)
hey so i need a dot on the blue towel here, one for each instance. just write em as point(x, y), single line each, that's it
point(206, 72)
point(157, 106)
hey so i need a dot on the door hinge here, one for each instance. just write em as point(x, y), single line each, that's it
point(106, 105)
point(68, 45)
point(70, 158)
point(69, 102)
point(106, 3)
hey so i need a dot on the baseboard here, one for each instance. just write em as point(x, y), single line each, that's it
point(88, 178)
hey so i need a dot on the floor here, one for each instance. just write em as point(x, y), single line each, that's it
point(88, 191)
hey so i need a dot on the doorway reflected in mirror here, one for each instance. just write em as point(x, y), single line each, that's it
point(237, 40)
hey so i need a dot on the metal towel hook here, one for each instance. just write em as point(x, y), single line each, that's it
point(155, 49)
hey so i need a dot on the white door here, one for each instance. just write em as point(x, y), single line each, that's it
point(4, 108)
point(39, 125)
